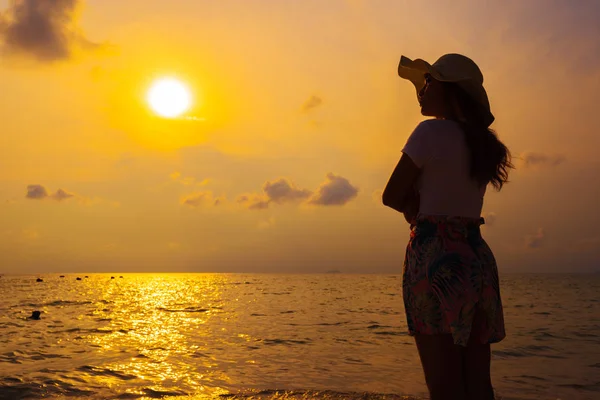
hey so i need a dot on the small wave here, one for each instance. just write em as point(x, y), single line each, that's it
point(540, 336)
point(151, 393)
point(92, 330)
point(538, 348)
point(15, 390)
point(391, 333)
point(592, 387)
point(258, 315)
point(585, 335)
point(58, 303)
point(597, 365)
point(533, 377)
point(377, 326)
point(96, 371)
point(285, 341)
point(15, 357)
point(527, 351)
point(188, 309)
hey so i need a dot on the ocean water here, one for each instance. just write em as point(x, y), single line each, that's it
point(269, 336)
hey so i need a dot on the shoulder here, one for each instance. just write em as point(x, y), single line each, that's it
point(432, 126)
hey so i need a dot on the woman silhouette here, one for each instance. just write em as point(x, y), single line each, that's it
point(450, 278)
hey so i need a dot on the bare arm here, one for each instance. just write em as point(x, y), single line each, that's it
point(400, 193)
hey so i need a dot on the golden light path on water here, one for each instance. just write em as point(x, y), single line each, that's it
point(156, 319)
point(177, 330)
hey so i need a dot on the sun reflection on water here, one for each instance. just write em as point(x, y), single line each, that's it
point(151, 318)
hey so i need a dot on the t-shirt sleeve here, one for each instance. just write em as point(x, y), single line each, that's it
point(418, 145)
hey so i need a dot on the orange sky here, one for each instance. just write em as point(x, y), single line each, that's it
point(299, 118)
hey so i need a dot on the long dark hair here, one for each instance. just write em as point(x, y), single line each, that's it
point(490, 158)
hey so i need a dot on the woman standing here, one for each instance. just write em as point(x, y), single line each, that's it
point(450, 279)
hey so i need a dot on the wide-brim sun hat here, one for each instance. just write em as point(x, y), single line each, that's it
point(454, 68)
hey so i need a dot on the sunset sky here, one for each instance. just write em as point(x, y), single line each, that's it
point(298, 119)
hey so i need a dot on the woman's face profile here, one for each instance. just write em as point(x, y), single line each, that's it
point(431, 98)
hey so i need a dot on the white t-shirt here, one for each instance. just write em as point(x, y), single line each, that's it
point(439, 149)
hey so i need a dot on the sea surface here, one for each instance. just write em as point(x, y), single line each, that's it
point(273, 336)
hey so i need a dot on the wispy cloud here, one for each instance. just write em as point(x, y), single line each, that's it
point(312, 102)
point(187, 180)
point(205, 198)
point(62, 195)
point(254, 201)
point(537, 159)
point(335, 191)
point(45, 30)
point(535, 241)
point(266, 224)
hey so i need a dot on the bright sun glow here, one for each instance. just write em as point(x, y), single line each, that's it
point(169, 97)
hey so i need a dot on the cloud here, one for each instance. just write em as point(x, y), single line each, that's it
point(254, 201)
point(266, 224)
point(282, 190)
point(536, 240)
point(36, 192)
point(205, 198)
point(335, 191)
point(45, 30)
point(533, 159)
point(61, 195)
point(279, 191)
point(312, 102)
point(39, 192)
point(188, 180)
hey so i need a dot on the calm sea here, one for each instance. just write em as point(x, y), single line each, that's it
point(267, 336)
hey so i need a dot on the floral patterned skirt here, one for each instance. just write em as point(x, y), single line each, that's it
point(449, 274)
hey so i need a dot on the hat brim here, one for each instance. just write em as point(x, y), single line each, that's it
point(415, 71)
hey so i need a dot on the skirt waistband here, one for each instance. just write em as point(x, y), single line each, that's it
point(450, 219)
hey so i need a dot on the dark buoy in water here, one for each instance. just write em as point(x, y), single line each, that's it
point(62, 276)
point(39, 280)
point(78, 278)
point(112, 277)
point(87, 276)
point(121, 277)
point(35, 315)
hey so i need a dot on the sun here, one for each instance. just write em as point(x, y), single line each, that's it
point(169, 97)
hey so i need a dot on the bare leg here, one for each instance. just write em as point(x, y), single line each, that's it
point(443, 364)
point(477, 358)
